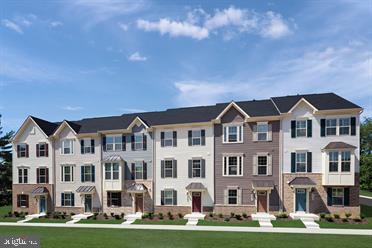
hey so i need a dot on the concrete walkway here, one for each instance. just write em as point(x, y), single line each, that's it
point(365, 200)
point(200, 228)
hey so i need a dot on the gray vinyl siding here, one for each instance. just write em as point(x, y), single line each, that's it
point(248, 148)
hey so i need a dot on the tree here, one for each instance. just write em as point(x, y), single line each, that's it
point(366, 154)
point(5, 160)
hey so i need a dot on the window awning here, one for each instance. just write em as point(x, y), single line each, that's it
point(263, 184)
point(40, 191)
point(86, 189)
point(195, 187)
point(113, 158)
point(338, 145)
point(304, 182)
point(136, 188)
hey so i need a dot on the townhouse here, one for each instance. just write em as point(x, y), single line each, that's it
point(294, 153)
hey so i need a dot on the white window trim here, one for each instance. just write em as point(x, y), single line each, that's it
point(195, 137)
point(165, 160)
point(171, 139)
point(200, 167)
point(267, 163)
point(239, 133)
point(91, 172)
point(339, 126)
point(72, 148)
point(227, 166)
point(297, 152)
point(267, 133)
point(20, 150)
point(343, 197)
point(336, 127)
point(339, 162)
point(72, 173)
point(171, 190)
point(237, 196)
point(64, 199)
point(112, 171)
point(45, 176)
point(44, 150)
point(114, 143)
point(135, 169)
point(23, 174)
point(87, 146)
point(305, 120)
point(135, 142)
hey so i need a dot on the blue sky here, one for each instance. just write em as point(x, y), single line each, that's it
point(75, 59)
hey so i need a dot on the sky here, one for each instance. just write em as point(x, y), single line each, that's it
point(85, 58)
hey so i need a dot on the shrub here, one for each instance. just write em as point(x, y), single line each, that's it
point(328, 217)
point(72, 213)
point(357, 219)
point(161, 216)
point(211, 215)
point(347, 215)
point(151, 215)
point(95, 214)
point(117, 217)
point(180, 215)
point(336, 216)
point(245, 215)
point(362, 216)
point(170, 215)
point(344, 220)
point(16, 214)
point(227, 219)
point(322, 215)
point(238, 217)
point(122, 215)
point(220, 215)
point(56, 215)
point(112, 214)
point(105, 216)
point(282, 215)
point(232, 215)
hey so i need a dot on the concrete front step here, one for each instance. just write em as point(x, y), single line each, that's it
point(263, 216)
point(193, 218)
point(31, 216)
point(130, 218)
point(265, 223)
point(310, 224)
point(303, 215)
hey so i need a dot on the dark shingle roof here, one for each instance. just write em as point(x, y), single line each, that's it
point(263, 184)
point(195, 186)
point(301, 181)
point(324, 101)
point(47, 127)
point(339, 145)
point(258, 108)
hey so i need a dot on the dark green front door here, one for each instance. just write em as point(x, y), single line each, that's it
point(88, 203)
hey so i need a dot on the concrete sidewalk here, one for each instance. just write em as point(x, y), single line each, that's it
point(199, 228)
point(365, 200)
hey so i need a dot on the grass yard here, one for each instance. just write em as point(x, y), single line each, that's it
point(87, 237)
point(365, 193)
point(228, 223)
point(109, 221)
point(160, 222)
point(287, 223)
point(366, 210)
point(46, 220)
point(5, 210)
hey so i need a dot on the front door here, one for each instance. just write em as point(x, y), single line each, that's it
point(88, 203)
point(196, 202)
point(42, 204)
point(301, 200)
point(139, 203)
point(262, 201)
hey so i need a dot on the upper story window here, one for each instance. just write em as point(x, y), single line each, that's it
point(301, 128)
point(168, 138)
point(42, 150)
point(87, 173)
point(22, 150)
point(138, 141)
point(335, 158)
point(301, 162)
point(233, 166)
point(196, 137)
point(233, 133)
point(114, 143)
point(331, 127)
point(333, 162)
point(67, 173)
point(345, 161)
point(22, 175)
point(87, 146)
point(262, 163)
point(67, 146)
point(262, 131)
point(139, 170)
point(196, 168)
point(112, 171)
point(42, 175)
point(169, 168)
point(344, 126)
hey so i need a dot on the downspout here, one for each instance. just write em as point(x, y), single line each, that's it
point(153, 169)
point(101, 168)
point(54, 166)
point(281, 176)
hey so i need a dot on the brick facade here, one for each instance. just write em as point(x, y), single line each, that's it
point(227, 210)
point(33, 202)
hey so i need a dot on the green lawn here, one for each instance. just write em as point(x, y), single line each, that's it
point(228, 223)
point(87, 237)
point(366, 210)
point(46, 220)
point(110, 221)
point(160, 222)
point(365, 193)
point(326, 224)
point(5, 210)
point(287, 223)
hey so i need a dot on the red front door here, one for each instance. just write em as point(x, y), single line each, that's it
point(139, 203)
point(196, 202)
point(261, 201)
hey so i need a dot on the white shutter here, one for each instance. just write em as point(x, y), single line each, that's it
point(254, 133)
point(225, 192)
point(254, 170)
point(270, 133)
point(269, 165)
point(239, 192)
point(224, 134)
point(240, 137)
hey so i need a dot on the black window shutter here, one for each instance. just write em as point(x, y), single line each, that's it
point(93, 173)
point(293, 129)
point(104, 143)
point(82, 146)
point(174, 138)
point(109, 199)
point(46, 150)
point(72, 199)
point(190, 168)
point(18, 150)
point(190, 137)
point(82, 173)
point(92, 145)
point(37, 175)
point(322, 127)
point(346, 196)
point(203, 137)
point(174, 168)
point(309, 128)
point(162, 197)
point(37, 150)
point(203, 168)
point(62, 199)
point(309, 162)
point(123, 142)
point(144, 140)
point(18, 200)
point(353, 126)
point(162, 169)
point(133, 171)
point(132, 142)
point(27, 201)
point(293, 162)
point(174, 197)
point(329, 196)
point(27, 151)
point(144, 170)
point(46, 175)
point(162, 139)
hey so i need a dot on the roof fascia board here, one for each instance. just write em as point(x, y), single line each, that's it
point(61, 126)
point(305, 101)
point(23, 126)
point(233, 104)
point(340, 111)
point(183, 125)
point(136, 120)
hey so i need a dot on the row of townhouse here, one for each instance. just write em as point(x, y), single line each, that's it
point(291, 153)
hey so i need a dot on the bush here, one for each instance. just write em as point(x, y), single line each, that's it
point(328, 217)
point(117, 217)
point(180, 215)
point(347, 215)
point(344, 220)
point(16, 214)
point(56, 215)
point(161, 216)
point(71, 214)
point(105, 216)
point(245, 215)
point(282, 215)
point(151, 215)
point(362, 216)
point(232, 215)
point(170, 215)
point(227, 219)
point(112, 214)
point(336, 216)
point(122, 215)
point(238, 217)
point(357, 219)
point(322, 215)
point(211, 215)
point(220, 215)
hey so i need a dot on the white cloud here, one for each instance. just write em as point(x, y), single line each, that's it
point(123, 26)
point(72, 108)
point(275, 27)
point(132, 110)
point(55, 24)
point(137, 57)
point(12, 26)
point(174, 28)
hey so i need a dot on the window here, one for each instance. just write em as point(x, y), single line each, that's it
point(22, 150)
point(168, 168)
point(262, 131)
point(345, 161)
point(112, 171)
point(22, 201)
point(232, 134)
point(67, 173)
point(196, 168)
point(114, 143)
point(113, 199)
point(338, 196)
point(233, 166)
point(262, 165)
point(333, 162)
point(138, 170)
point(301, 128)
point(168, 138)
point(196, 137)
point(138, 142)
point(168, 197)
point(68, 199)
point(22, 175)
point(87, 171)
point(344, 128)
point(331, 126)
point(232, 196)
point(42, 152)
point(301, 162)
point(88, 147)
point(67, 146)
point(43, 175)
